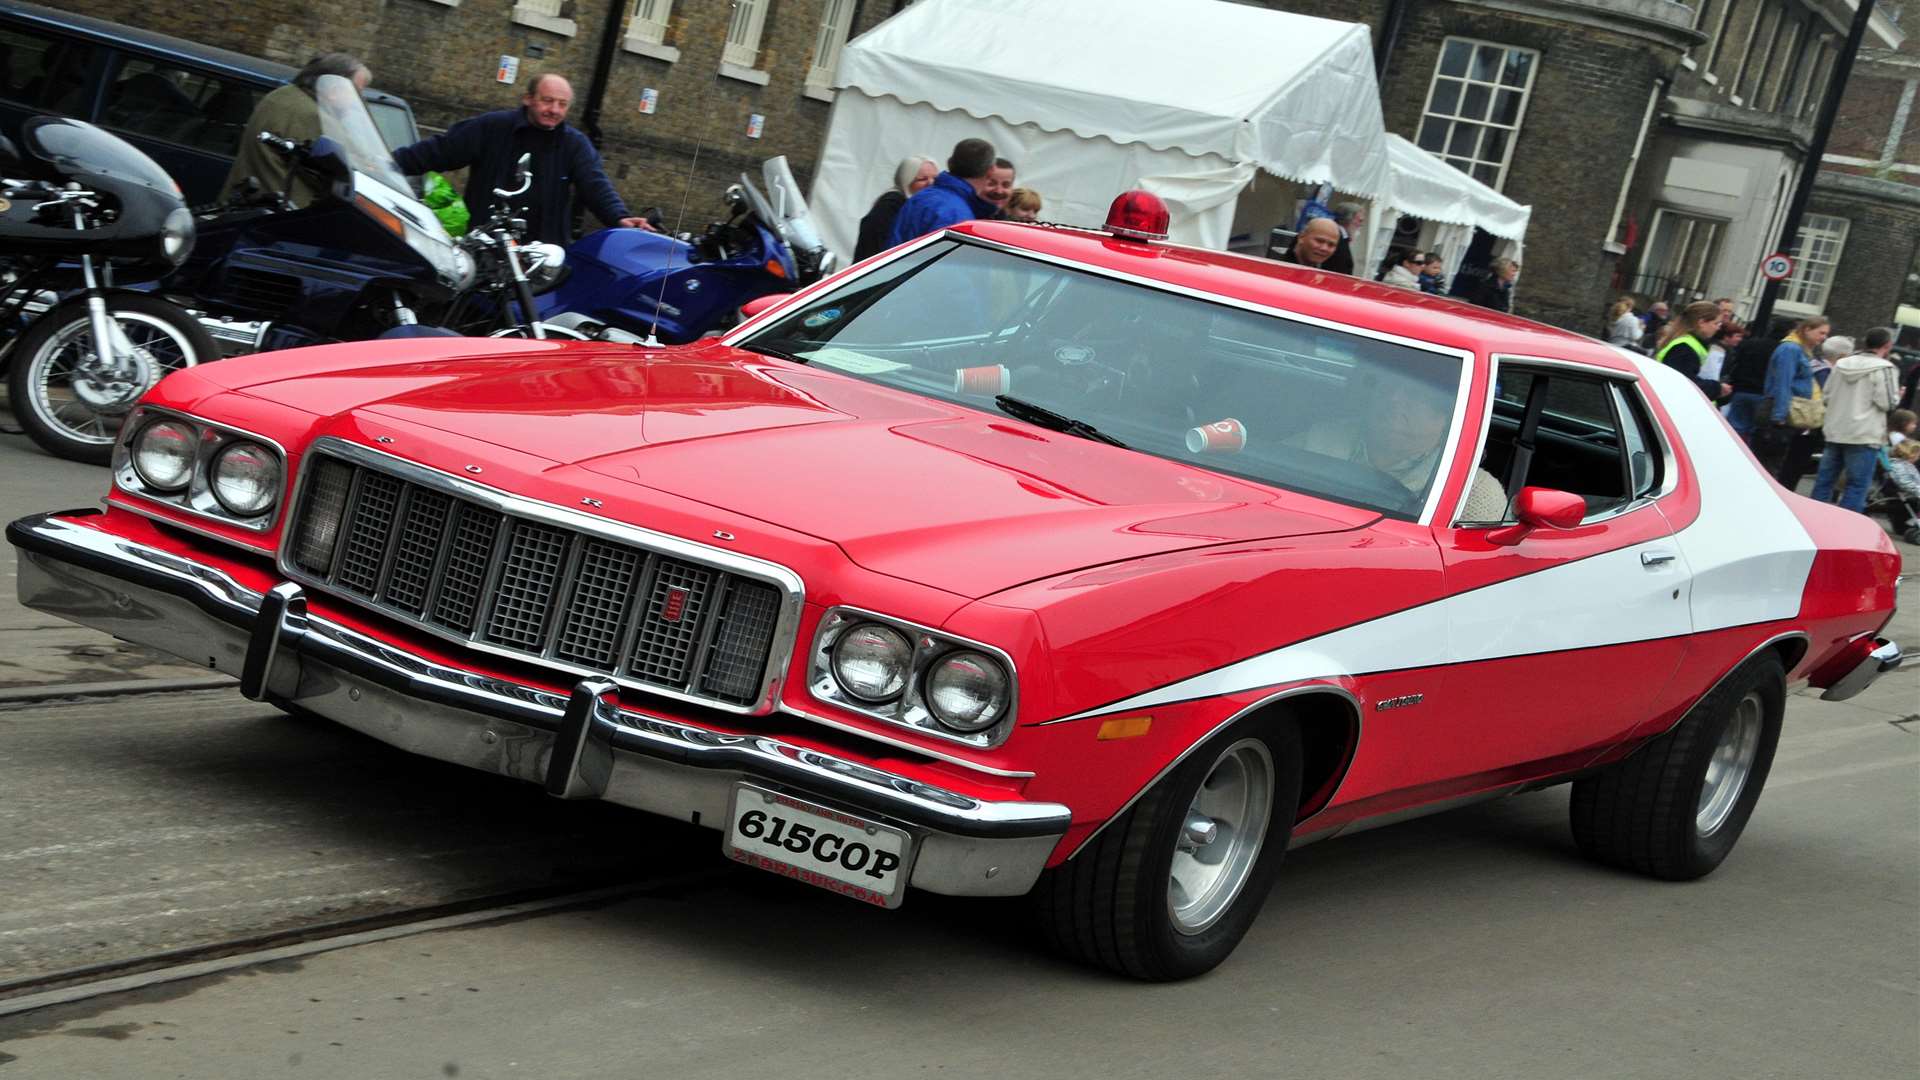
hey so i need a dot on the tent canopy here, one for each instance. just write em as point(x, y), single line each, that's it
point(1291, 94)
point(1426, 187)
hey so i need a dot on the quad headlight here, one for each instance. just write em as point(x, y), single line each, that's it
point(245, 478)
point(200, 467)
point(915, 676)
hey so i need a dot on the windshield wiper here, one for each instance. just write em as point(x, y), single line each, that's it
point(768, 350)
point(1053, 421)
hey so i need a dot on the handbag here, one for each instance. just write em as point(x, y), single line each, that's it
point(1807, 413)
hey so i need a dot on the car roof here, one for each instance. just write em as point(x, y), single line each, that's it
point(1338, 298)
point(149, 41)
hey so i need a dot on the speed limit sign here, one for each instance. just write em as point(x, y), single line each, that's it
point(1777, 266)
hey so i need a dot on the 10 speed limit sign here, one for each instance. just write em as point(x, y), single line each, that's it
point(1777, 266)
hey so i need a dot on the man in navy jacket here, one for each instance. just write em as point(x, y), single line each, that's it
point(563, 162)
point(955, 196)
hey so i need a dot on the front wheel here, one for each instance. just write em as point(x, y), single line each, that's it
point(69, 398)
point(1170, 887)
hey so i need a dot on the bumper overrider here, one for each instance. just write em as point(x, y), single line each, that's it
point(583, 745)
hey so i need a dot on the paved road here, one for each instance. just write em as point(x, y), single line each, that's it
point(1472, 944)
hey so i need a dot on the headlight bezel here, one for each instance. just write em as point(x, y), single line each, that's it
point(220, 455)
point(902, 662)
point(931, 691)
point(134, 453)
point(197, 497)
point(910, 708)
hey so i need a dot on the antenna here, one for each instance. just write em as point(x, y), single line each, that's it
point(653, 336)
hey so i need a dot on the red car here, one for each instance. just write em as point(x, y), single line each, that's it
point(1016, 560)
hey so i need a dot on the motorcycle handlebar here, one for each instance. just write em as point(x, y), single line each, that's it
point(285, 146)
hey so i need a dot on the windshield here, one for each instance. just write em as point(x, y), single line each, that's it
point(78, 150)
point(344, 119)
point(1307, 408)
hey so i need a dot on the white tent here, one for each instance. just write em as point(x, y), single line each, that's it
point(1186, 98)
point(1452, 204)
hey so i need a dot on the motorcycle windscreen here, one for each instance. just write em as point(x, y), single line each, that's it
point(796, 221)
point(82, 153)
point(344, 119)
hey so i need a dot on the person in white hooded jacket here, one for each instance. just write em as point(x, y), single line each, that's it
point(1860, 392)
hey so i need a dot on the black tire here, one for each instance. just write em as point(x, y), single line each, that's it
point(1110, 905)
point(40, 385)
point(1646, 813)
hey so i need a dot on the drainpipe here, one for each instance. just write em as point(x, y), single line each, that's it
point(1810, 169)
point(602, 68)
point(1389, 37)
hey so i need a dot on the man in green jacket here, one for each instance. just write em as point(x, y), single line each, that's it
point(290, 113)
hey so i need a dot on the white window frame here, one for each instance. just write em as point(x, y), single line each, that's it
point(1700, 282)
point(745, 22)
point(647, 28)
point(543, 15)
point(1450, 122)
point(836, 22)
point(1800, 294)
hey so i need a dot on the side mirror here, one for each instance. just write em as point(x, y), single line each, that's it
point(759, 304)
point(328, 159)
point(9, 154)
point(1540, 508)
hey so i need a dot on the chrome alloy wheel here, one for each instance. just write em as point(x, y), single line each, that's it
point(83, 398)
point(1730, 766)
point(1220, 836)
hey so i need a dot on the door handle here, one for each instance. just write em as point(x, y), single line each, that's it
point(1652, 559)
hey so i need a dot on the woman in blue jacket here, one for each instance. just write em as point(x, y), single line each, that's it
point(1789, 375)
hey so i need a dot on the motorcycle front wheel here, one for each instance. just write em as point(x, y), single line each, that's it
point(68, 399)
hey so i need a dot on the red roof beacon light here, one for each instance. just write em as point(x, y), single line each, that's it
point(1138, 215)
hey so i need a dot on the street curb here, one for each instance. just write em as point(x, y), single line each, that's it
point(26, 694)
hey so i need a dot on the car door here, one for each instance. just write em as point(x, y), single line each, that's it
point(1559, 641)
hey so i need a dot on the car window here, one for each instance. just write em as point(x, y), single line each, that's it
point(44, 71)
point(176, 105)
point(1309, 408)
point(396, 126)
point(1571, 431)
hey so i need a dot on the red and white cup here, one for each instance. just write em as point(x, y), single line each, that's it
point(991, 379)
point(1220, 437)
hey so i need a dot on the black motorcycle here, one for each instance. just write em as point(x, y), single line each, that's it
point(82, 215)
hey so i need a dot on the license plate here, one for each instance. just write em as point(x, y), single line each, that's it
point(819, 845)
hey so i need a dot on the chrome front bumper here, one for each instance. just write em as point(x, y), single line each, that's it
point(1884, 658)
point(585, 745)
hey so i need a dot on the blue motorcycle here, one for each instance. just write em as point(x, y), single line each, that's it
point(628, 284)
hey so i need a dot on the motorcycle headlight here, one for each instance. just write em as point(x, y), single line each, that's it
point(967, 691)
point(464, 270)
point(872, 662)
point(163, 455)
point(542, 263)
point(246, 478)
point(176, 235)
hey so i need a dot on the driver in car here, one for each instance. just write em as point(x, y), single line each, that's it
point(1403, 436)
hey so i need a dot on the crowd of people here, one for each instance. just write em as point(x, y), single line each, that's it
point(1798, 390)
point(977, 183)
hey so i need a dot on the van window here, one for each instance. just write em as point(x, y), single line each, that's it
point(170, 103)
point(46, 72)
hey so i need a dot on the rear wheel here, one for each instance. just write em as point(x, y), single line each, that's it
point(1170, 887)
point(1676, 807)
point(72, 401)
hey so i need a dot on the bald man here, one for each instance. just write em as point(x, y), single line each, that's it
point(564, 162)
point(1315, 244)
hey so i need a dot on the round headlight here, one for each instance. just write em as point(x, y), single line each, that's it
point(246, 478)
point(967, 691)
point(542, 263)
point(163, 455)
point(463, 270)
point(176, 235)
point(872, 661)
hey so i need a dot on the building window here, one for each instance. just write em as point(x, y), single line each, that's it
point(1722, 19)
point(1475, 105)
point(743, 33)
point(1815, 254)
point(544, 14)
point(1753, 66)
point(650, 21)
point(1822, 72)
point(1784, 71)
point(835, 22)
point(1677, 262)
point(1802, 73)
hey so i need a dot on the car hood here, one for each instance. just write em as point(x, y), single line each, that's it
point(965, 501)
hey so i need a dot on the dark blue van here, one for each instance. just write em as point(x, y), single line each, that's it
point(182, 103)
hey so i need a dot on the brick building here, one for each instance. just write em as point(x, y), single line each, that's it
point(1657, 141)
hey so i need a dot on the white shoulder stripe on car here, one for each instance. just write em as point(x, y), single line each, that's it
point(1746, 554)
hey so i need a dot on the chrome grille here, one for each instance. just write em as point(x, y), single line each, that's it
point(433, 555)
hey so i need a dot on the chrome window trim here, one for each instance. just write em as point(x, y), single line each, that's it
point(1627, 381)
point(1359, 722)
point(928, 643)
point(786, 629)
point(197, 498)
point(1465, 356)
